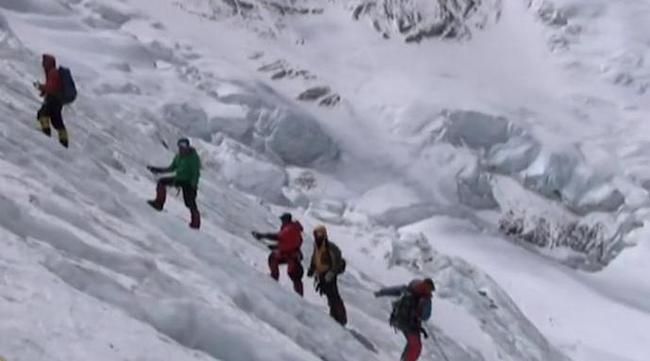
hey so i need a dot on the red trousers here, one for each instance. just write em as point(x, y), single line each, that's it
point(413, 346)
point(294, 267)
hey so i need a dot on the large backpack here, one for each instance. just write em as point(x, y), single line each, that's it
point(335, 252)
point(403, 315)
point(69, 92)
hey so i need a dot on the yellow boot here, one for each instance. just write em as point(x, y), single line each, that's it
point(45, 125)
point(63, 137)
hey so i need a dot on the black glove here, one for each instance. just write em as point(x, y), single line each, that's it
point(257, 235)
point(377, 294)
point(310, 273)
point(153, 170)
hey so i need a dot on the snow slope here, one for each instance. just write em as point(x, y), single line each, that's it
point(404, 162)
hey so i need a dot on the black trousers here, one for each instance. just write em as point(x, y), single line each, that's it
point(334, 300)
point(52, 108)
point(189, 192)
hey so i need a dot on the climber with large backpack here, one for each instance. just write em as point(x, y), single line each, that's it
point(59, 90)
point(409, 311)
point(285, 249)
point(186, 167)
point(326, 265)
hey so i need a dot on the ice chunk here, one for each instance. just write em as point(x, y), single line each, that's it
point(513, 156)
point(564, 175)
point(235, 127)
point(299, 140)
point(280, 129)
point(248, 171)
point(474, 189)
point(111, 13)
point(328, 210)
point(191, 120)
point(256, 177)
point(550, 173)
point(476, 130)
point(290, 136)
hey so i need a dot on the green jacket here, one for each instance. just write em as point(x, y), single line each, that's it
point(187, 168)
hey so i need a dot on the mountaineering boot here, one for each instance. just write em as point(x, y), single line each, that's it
point(63, 137)
point(161, 196)
point(155, 205)
point(195, 222)
point(298, 288)
point(45, 125)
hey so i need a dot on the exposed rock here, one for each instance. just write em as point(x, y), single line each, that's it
point(314, 93)
point(330, 100)
point(591, 245)
point(552, 15)
point(417, 20)
point(281, 69)
point(274, 66)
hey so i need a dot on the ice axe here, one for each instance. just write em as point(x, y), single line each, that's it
point(260, 237)
point(438, 345)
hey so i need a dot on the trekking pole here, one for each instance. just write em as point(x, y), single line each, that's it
point(435, 339)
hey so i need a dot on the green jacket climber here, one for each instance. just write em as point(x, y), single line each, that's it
point(187, 168)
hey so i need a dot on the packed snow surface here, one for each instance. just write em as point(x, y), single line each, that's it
point(409, 128)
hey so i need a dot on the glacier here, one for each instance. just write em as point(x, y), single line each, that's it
point(428, 135)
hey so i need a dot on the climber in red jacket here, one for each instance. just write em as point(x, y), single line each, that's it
point(52, 92)
point(409, 312)
point(286, 249)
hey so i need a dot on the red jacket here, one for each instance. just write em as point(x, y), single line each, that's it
point(53, 85)
point(290, 238)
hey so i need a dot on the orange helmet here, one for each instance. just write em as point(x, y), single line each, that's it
point(320, 231)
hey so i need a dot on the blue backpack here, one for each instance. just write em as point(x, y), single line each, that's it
point(69, 93)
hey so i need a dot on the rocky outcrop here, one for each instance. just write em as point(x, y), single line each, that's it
point(418, 20)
